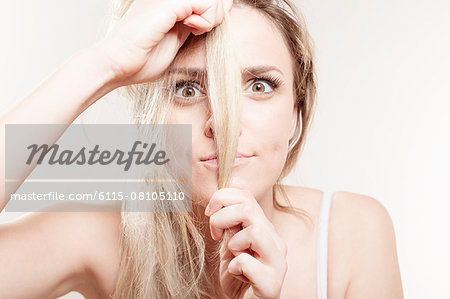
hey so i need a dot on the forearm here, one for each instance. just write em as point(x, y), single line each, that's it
point(83, 79)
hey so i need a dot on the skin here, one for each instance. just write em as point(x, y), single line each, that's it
point(267, 123)
point(362, 259)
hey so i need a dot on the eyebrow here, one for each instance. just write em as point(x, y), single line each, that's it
point(250, 70)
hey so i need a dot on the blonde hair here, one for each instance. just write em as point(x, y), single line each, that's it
point(163, 253)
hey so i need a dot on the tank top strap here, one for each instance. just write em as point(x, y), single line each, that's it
point(322, 246)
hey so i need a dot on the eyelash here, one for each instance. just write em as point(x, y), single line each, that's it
point(184, 83)
point(272, 80)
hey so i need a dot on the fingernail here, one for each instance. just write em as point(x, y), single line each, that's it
point(207, 210)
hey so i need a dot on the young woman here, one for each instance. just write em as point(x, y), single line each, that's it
point(248, 236)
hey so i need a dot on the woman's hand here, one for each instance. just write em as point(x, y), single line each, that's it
point(254, 264)
point(146, 39)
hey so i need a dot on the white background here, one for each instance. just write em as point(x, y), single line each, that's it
point(382, 126)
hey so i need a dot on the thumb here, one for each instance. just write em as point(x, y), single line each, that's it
point(183, 33)
point(173, 40)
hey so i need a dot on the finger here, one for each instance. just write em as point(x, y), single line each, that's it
point(258, 240)
point(183, 33)
point(264, 282)
point(197, 22)
point(197, 32)
point(226, 255)
point(206, 21)
point(247, 265)
point(231, 196)
point(229, 217)
point(227, 4)
point(219, 13)
point(208, 12)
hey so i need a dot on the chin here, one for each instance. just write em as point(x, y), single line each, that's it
point(240, 183)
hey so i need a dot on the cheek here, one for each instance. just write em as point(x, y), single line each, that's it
point(195, 115)
point(275, 148)
point(185, 115)
point(270, 123)
point(268, 126)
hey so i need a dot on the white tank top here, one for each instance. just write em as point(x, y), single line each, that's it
point(322, 245)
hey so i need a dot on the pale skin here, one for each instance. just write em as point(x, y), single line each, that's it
point(40, 259)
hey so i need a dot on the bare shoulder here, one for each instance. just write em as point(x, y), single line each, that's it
point(371, 239)
point(60, 252)
point(356, 212)
point(362, 243)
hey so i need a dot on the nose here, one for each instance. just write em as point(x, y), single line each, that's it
point(209, 128)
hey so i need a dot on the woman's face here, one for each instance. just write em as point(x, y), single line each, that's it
point(268, 117)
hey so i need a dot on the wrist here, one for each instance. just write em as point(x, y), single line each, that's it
point(98, 66)
point(96, 72)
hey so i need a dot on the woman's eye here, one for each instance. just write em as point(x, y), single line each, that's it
point(187, 90)
point(260, 86)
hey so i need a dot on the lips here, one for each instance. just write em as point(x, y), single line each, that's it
point(214, 156)
point(240, 159)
